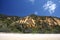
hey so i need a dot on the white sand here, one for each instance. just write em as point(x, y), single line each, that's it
point(12, 36)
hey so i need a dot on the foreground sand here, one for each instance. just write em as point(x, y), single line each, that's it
point(14, 36)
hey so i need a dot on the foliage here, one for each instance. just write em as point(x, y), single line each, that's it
point(40, 27)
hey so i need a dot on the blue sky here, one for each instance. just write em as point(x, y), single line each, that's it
point(27, 7)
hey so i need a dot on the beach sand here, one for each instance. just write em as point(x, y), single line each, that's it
point(17, 36)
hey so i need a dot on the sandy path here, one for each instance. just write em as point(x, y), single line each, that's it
point(12, 36)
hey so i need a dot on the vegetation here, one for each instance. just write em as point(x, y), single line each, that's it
point(40, 27)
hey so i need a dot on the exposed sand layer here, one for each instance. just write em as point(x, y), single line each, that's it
point(14, 36)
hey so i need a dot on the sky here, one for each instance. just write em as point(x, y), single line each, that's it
point(28, 7)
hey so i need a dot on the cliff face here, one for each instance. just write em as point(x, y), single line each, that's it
point(31, 24)
point(33, 21)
